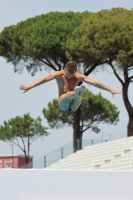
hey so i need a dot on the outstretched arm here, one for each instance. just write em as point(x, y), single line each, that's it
point(40, 81)
point(101, 85)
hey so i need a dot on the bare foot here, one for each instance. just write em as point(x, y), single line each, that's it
point(79, 90)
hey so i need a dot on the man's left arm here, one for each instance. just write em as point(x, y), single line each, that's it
point(101, 85)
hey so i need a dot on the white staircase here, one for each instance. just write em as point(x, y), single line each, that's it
point(113, 155)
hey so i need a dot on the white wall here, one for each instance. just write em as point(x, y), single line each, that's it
point(72, 185)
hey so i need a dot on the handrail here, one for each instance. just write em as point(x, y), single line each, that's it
point(60, 153)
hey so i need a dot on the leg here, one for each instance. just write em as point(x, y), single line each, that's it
point(79, 91)
point(65, 100)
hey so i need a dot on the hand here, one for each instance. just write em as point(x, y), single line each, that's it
point(66, 89)
point(25, 87)
point(115, 92)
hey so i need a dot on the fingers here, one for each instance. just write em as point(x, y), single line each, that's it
point(116, 92)
point(25, 88)
point(22, 87)
point(119, 92)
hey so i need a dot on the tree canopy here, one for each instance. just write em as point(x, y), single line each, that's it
point(104, 36)
point(39, 42)
point(23, 131)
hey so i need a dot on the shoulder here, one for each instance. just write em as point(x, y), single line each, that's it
point(81, 77)
point(57, 74)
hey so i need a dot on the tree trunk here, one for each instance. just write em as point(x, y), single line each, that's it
point(26, 162)
point(28, 152)
point(26, 159)
point(130, 126)
point(129, 109)
point(77, 134)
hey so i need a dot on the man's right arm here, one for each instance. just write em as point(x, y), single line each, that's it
point(41, 81)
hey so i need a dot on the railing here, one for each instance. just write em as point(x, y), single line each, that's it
point(56, 155)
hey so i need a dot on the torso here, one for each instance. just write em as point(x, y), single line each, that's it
point(65, 84)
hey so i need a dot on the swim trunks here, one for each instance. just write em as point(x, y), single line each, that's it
point(69, 110)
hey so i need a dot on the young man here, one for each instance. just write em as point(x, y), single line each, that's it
point(70, 94)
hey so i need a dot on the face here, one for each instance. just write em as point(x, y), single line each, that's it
point(68, 75)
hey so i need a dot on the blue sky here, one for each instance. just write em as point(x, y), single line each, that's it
point(13, 102)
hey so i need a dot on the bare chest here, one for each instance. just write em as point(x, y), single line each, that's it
point(70, 84)
point(65, 84)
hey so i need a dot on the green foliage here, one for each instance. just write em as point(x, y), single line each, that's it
point(39, 41)
point(55, 117)
point(94, 109)
point(97, 108)
point(104, 37)
point(24, 129)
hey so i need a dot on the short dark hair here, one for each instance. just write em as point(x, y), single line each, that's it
point(71, 67)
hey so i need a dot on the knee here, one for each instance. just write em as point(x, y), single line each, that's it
point(63, 108)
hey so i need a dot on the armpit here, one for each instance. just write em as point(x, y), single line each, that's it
point(81, 80)
point(57, 79)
